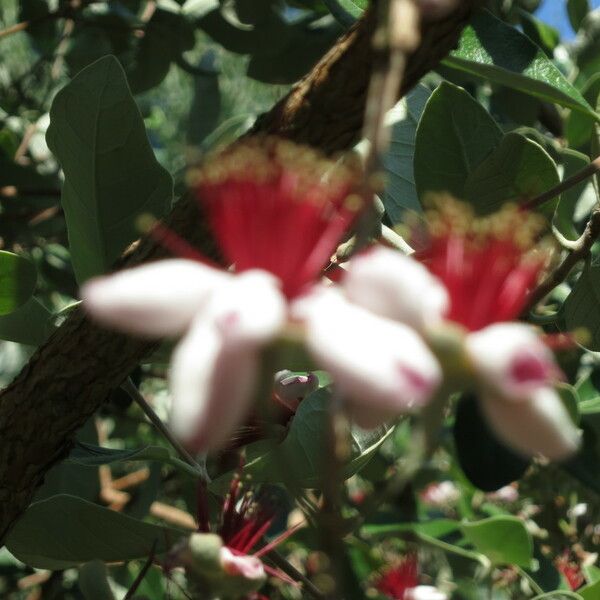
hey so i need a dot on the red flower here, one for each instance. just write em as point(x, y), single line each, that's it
point(278, 207)
point(570, 570)
point(246, 516)
point(395, 582)
point(488, 264)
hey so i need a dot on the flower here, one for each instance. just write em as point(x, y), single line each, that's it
point(277, 211)
point(440, 494)
point(401, 583)
point(226, 559)
point(469, 283)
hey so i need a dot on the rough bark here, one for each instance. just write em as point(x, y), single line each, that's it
point(81, 364)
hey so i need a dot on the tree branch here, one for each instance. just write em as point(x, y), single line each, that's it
point(70, 376)
point(580, 251)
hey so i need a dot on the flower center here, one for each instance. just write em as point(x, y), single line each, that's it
point(488, 264)
point(277, 207)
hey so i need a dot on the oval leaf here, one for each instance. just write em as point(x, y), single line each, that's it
point(492, 49)
point(503, 539)
point(111, 174)
point(454, 135)
point(18, 278)
point(65, 531)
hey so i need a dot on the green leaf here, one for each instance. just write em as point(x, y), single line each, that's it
point(579, 126)
point(300, 459)
point(584, 466)
point(166, 36)
point(590, 592)
point(517, 170)
point(30, 324)
point(570, 199)
point(65, 531)
point(545, 36)
point(400, 192)
point(304, 47)
point(436, 528)
point(111, 174)
point(577, 11)
point(346, 11)
point(94, 456)
point(561, 595)
point(491, 49)
point(503, 539)
point(454, 135)
point(582, 306)
point(18, 278)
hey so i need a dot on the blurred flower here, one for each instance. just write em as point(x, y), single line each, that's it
point(570, 569)
point(277, 211)
point(440, 494)
point(475, 274)
point(290, 389)
point(226, 559)
point(508, 493)
point(401, 583)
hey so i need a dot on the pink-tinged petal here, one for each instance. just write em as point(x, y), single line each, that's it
point(212, 382)
point(382, 367)
point(424, 592)
point(248, 567)
point(158, 299)
point(511, 359)
point(397, 287)
point(250, 309)
point(539, 425)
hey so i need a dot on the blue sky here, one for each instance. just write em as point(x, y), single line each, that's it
point(554, 12)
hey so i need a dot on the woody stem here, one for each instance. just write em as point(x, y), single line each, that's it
point(130, 388)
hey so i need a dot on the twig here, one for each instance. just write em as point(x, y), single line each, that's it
point(566, 184)
point(580, 251)
point(396, 36)
point(140, 576)
point(289, 569)
point(130, 388)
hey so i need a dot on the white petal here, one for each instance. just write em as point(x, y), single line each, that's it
point(381, 366)
point(397, 287)
point(244, 565)
point(511, 359)
point(250, 309)
point(158, 299)
point(424, 592)
point(212, 382)
point(540, 425)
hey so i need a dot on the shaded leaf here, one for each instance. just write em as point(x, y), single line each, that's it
point(517, 170)
point(400, 192)
point(65, 531)
point(454, 135)
point(577, 11)
point(301, 458)
point(30, 324)
point(166, 36)
point(487, 463)
point(581, 306)
point(111, 174)
point(18, 277)
point(93, 456)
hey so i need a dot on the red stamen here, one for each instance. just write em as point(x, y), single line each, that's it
point(486, 264)
point(396, 581)
point(179, 247)
point(277, 207)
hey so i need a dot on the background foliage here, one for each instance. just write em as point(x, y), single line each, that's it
point(102, 106)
